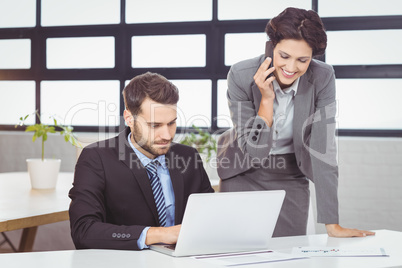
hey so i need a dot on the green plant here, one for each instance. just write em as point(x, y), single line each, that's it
point(41, 131)
point(202, 141)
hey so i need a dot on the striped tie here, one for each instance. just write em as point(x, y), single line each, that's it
point(157, 190)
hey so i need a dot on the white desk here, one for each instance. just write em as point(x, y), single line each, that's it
point(390, 240)
point(22, 207)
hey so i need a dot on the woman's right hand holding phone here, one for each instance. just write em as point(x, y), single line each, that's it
point(264, 83)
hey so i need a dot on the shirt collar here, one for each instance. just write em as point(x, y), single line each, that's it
point(144, 159)
point(293, 87)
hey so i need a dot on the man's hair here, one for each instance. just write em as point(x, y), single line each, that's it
point(151, 85)
point(299, 24)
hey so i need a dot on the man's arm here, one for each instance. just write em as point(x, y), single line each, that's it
point(88, 216)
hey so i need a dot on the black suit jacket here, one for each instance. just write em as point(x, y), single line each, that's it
point(112, 199)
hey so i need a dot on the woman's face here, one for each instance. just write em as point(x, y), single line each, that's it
point(291, 60)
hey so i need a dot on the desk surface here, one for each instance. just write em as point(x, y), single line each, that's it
point(390, 240)
point(24, 207)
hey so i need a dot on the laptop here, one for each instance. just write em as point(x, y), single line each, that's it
point(215, 223)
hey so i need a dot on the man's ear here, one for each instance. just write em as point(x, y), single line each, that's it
point(128, 118)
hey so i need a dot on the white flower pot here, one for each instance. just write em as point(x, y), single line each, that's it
point(44, 173)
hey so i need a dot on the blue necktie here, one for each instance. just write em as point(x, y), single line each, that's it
point(157, 190)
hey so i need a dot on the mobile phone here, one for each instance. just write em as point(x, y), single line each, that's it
point(269, 52)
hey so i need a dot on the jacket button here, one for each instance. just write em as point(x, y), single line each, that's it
point(114, 235)
point(259, 126)
point(256, 133)
point(128, 235)
point(254, 138)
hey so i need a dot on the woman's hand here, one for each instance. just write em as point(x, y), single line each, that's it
point(264, 84)
point(335, 230)
point(266, 109)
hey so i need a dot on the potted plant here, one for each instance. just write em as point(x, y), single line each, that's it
point(205, 144)
point(43, 171)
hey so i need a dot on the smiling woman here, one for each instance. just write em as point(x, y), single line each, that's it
point(279, 119)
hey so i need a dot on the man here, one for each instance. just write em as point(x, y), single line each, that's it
point(131, 191)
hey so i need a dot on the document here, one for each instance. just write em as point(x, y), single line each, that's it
point(339, 252)
point(243, 258)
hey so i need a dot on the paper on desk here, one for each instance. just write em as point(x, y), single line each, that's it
point(243, 258)
point(339, 252)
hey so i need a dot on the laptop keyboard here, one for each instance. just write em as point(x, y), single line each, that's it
point(173, 247)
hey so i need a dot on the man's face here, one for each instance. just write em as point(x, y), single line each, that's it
point(154, 128)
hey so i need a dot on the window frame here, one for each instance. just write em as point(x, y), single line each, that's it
point(214, 70)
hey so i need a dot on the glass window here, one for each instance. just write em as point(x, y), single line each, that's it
point(243, 46)
point(15, 54)
point(256, 9)
point(140, 11)
point(12, 15)
point(17, 100)
point(169, 51)
point(194, 105)
point(364, 47)
point(369, 103)
point(80, 12)
point(91, 103)
point(224, 119)
point(80, 52)
point(346, 8)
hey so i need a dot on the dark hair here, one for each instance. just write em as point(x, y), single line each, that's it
point(299, 24)
point(151, 85)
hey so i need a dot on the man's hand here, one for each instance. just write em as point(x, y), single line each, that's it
point(335, 230)
point(166, 235)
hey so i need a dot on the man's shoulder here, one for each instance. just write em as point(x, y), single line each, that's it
point(182, 149)
point(107, 146)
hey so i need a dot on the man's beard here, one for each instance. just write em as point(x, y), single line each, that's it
point(146, 145)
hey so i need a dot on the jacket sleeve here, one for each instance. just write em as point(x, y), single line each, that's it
point(254, 136)
point(89, 228)
point(323, 152)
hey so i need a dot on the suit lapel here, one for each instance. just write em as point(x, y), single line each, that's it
point(304, 106)
point(130, 159)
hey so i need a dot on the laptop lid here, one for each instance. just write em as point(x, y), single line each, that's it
point(227, 222)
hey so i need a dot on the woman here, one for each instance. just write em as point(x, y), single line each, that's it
point(284, 125)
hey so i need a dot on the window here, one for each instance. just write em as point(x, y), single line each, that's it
point(154, 11)
point(15, 54)
point(330, 8)
point(81, 103)
point(12, 15)
point(80, 52)
point(364, 47)
point(256, 9)
point(11, 97)
point(72, 58)
point(80, 12)
point(168, 51)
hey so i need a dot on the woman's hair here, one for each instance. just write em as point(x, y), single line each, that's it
point(151, 85)
point(299, 24)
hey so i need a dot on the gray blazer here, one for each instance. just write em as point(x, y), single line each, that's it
point(249, 141)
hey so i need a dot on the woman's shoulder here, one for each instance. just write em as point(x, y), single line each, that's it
point(317, 66)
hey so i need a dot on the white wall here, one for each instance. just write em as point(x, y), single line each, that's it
point(370, 183)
